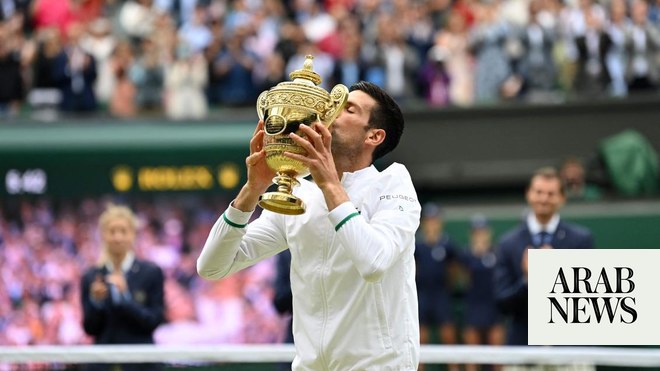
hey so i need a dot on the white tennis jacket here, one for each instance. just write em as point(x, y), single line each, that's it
point(352, 270)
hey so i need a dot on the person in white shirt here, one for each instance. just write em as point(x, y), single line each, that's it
point(352, 263)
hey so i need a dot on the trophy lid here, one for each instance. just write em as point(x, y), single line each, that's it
point(307, 72)
point(302, 96)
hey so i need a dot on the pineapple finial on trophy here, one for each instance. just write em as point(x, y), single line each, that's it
point(307, 72)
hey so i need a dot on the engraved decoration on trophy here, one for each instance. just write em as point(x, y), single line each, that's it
point(283, 108)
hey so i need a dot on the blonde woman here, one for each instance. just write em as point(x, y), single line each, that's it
point(122, 296)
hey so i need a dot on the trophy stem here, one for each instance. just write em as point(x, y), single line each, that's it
point(285, 182)
point(283, 201)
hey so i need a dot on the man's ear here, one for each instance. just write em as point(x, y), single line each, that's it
point(375, 136)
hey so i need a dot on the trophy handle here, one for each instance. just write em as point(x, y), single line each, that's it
point(338, 98)
point(262, 103)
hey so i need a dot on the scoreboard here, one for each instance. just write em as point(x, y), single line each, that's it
point(89, 159)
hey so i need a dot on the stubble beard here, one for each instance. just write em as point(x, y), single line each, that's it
point(344, 153)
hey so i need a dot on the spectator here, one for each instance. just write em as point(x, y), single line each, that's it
point(349, 68)
point(643, 40)
point(573, 175)
point(195, 32)
point(120, 64)
point(391, 59)
point(291, 37)
point(122, 104)
point(418, 26)
point(101, 43)
point(122, 296)
point(487, 40)
point(537, 62)
point(12, 87)
point(459, 62)
point(75, 74)
point(273, 70)
point(592, 78)
point(185, 81)
point(542, 228)
point(45, 97)
point(434, 252)
point(615, 48)
point(148, 76)
point(482, 321)
point(233, 69)
point(434, 79)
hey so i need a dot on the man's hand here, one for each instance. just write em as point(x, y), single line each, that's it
point(523, 264)
point(319, 160)
point(259, 175)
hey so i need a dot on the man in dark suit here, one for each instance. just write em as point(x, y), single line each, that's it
point(122, 297)
point(542, 228)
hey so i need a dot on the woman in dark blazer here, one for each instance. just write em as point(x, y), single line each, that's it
point(122, 296)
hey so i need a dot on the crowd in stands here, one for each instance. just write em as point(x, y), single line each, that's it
point(181, 57)
point(46, 246)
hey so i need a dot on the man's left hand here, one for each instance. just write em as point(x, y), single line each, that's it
point(320, 161)
point(318, 143)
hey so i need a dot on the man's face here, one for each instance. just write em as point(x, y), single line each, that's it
point(351, 127)
point(544, 196)
point(573, 175)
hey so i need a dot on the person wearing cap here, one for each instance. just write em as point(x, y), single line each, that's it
point(542, 228)
point(482, 320)
point(435, 251)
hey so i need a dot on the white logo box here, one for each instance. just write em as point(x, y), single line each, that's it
point(567, 317)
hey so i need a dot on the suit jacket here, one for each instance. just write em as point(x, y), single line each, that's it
point(83, 100)
point(131, 320)
point(510, 283)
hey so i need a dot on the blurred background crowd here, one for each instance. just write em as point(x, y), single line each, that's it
point(184, 57)
point(47, 245)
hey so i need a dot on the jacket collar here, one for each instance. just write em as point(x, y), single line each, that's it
point(535, 227)
point(126, 264)
point(348, 178)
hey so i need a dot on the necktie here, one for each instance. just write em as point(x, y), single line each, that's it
point(544, 238)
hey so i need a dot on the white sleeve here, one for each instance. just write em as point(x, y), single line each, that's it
point(233, 244)
point(376, 245)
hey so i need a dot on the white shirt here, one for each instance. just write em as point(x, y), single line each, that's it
point(535, 227)
point(352, 274)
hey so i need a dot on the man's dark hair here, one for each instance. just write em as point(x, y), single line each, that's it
point(385, 115)
point(548, 172)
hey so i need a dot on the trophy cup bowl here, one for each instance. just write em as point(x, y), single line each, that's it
point(283, 108)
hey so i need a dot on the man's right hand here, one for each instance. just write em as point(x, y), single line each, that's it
point(259, 175)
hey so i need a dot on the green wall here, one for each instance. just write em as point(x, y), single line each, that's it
point(610, 232)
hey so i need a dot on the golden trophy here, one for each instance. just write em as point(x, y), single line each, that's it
point(283, 108)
